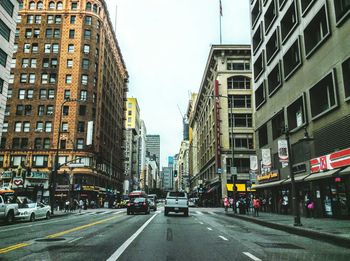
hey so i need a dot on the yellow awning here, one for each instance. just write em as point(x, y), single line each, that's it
point(240, 187)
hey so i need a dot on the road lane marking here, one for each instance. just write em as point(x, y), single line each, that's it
point(252, 256)
point(75, 239)
point(224, 238)
point(125, 245)
point(209, 228)
point(79, 228)
point(199, 213)
point(13, 247)
point(201, 223)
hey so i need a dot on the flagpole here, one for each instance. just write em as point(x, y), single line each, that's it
point(220, 14)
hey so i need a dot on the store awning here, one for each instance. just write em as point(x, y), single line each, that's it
point(213, 188)
point(269, 184)
point(240, 187)
point(321, 175)
point(299, 178)
point(345, 171)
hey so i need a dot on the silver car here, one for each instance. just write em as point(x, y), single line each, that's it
point(33, 211)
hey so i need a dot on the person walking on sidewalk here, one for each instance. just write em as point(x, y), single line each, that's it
point(285, 204)
point(226, 203)
point(256, 205)
point(81, 205)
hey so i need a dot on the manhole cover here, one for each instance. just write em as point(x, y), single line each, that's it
point(278, 245)
point(50, 239)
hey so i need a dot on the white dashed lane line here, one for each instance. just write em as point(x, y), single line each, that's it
point(251, 256)
point(209, 228)
point(224, 238)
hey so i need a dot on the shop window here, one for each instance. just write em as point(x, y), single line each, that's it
point(260, 96)
point(278, 125)
point(316, 32)
point(346, 77)
point(289, 22)
point(262, 134)
point(274, 79)
point(292, 60)
point(342, 10)
point(270, 15)
point(258, 38)
point(238, 82)
point(306, 5)
point(259, 66)
point(272, 46)
point(256, 11)
point(323, 96)
point(296, 113)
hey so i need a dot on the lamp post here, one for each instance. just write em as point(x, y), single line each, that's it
point(56, 164)
point(295, 205)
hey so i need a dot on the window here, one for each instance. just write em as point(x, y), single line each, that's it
point(3, 58)
point(8, 6)
point(80, 144)
point(33, 63)
point(12, 78)
point(68, 79)
point(305, 5)
point(26, 126)
point(88, 20)
point(73, 19)
point(66, 94)
point(31, 6)
point(323, 96)
point(238, 82)
point(39, 126)
point(239, 101)
point(30, 93)
point(83, 95)
point(52, 78)
point(64, 126)
point(278, 125)
point(256, 11)
point(260, 96)
point(18, 126)
point(40, 161)
point(1, 85)
point(272, 46)
point(292, 60)
point(23, 78)
point(47, 48)
point(39, 5)
point(31, 78)
point(54, 63)
point(86, 48)
point(59, 6)
point(342, 9)
point(15, 48)
point(65, 110)
point(51, 93)
point(87, 34)
point(30, 19)
point(296, 113)
point(84, 79)
point(44, 78)
point(237, 65)
point(35, 48)
point(50, 19)
point(242, 120)
point(42, 94)
point(48, 126)
point(16, 143)
point(88, 6)
point(346, 77)
point(9, 93)
point(242, 141)
point(37, 143)
point(82, 110)
point(47, 143)
point(69, 63)
point(74, 6)
point(71, 34)
point(28, 33)
point(5, 126)
point(258, 37)
point(38, 19)
point(5, 31)
point(13, 63)
point(259, 66)
point(49, 110)
point(274, 79)
point(36, 33)
point(51, 5)
point(48, 33)
point(70, 48)
point(81, 126)
point(85, 64)
point(28, 110)
point(262, 134)
point(316, 32)
point(289, 22)
point(94, 8)
point(41, 110)
point(270, 15)
point(56, 33)
point(19, 110)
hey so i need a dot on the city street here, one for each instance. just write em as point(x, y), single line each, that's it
point(110, 234)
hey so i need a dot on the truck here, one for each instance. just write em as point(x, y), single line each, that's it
point(176, 201)
point(8, 206)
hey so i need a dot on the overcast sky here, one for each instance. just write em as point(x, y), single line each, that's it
point(165, 46)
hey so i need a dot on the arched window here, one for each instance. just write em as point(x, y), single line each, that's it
point(39, 5)
point(31, 5)
point(95, 8)
point(88, 6)
point(238, 82)
point(52, 5)
point(59, 6)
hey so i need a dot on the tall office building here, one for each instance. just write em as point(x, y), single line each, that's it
point(8, 17)
point(67, 94)
point(153, 146)
point(301, 60)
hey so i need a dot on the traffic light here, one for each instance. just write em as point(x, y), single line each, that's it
point(175, 173)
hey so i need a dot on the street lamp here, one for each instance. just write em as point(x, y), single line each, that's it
point(295, 205)
point(56, 164)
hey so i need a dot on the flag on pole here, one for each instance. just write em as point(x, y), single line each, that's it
point(220, 8)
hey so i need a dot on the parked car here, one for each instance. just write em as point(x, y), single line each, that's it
point(8, 206)
point(193, 202)
point(138, 205)
point(153, 201)
point(176, 201)
point(33, 211)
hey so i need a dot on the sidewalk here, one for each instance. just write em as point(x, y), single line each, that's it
point(326, 229)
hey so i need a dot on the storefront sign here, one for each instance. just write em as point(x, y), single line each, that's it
point(270, 176)
point(6, 174)
point(217, 126)
point(62, 188)
point(89, 188)
point(331, 161)
point(39, 175)
point(17, 182)
point(283, 151)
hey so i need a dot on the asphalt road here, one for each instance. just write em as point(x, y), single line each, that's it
point(207, 234)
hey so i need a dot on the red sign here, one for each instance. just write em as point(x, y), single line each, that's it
point(217, 124)
point(331, 161)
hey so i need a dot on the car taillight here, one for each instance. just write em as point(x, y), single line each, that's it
point(144, 203)
point(129, 204)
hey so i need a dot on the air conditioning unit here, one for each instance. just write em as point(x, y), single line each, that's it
point(39, 130)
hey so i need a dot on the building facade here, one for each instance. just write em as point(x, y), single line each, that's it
point(301, 63)
point(153, 146)
point(8, 18)
point(222, 129)
point(66, 95)
point(132, 126)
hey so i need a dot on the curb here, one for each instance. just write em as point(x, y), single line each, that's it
point(323, 236)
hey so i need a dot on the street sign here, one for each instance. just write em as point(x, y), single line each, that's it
point(233, 170)
point(219, 171)
point(76, 165)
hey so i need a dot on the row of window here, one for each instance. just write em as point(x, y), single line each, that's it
point(45, 94)
point(49, 63)
point(56, 19)
point(3, 57)
point(5, 31)
point(237, 65)
point(51, 33)
point(7, 6)
point(59, 6)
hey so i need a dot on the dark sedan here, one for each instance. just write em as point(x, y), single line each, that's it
point(138, 205)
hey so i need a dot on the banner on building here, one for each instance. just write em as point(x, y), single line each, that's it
point(90, 129)
point(253, 163)
point(266, 158)
point(283, 151)
point(217, 126)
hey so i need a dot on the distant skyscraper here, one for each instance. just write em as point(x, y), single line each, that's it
point(153, 146)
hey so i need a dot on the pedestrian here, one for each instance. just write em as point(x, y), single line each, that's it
point(226, 203)
point(285, 204)
point(81, 205)
point(256, 206)
point(66, 209)
point(310, 207)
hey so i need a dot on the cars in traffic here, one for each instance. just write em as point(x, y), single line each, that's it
point(176, 201)
point(152, 201)
point(33, 210)
point(193, 202)
point(138, 205)
point(8, 205)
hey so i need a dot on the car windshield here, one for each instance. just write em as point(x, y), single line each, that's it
point(29, 205)
point(177, 194)
point(138, 200)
